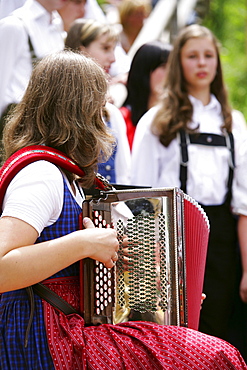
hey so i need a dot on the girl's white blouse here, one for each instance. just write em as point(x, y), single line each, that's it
point(155, 165)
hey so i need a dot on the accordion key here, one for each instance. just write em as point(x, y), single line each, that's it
point(162, 281)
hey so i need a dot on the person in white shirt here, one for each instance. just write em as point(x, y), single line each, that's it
point(91, 10)
point(186, 142)
point(35, 29)
point(98, 41)
point(72, 10)
point(8, 6)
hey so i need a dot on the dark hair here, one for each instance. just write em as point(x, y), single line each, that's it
point(147, 58)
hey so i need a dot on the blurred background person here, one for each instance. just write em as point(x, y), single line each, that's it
point(145, 84)
point(193, 140)
point(98, 41)
point(132, 15)
point(8, 6)
point(76, 9)
point(71, 11)
point(29, 33)
point(90, 9)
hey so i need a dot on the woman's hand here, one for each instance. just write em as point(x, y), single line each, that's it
point(203, 297)
point(243, 288)
point(44, 259)
point(102, 243)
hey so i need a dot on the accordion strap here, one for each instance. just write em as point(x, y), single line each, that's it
point(49, 296)
point(10, 168)
point(54, 299)
point(33, 153)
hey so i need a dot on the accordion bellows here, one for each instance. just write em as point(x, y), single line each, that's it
point(160, 276)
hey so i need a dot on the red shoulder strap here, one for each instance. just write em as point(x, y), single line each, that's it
point(33, 153)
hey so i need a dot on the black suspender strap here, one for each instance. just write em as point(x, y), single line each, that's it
point(209, 140)
point(230, 145)
point(32, 52)
point(184, 158)
point(34, 57)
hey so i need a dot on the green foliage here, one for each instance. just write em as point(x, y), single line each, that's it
point(227, 19)
point(101, 3)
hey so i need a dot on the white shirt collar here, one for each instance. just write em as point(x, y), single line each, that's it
point(212, 105)
point(37, 11)
point(207, 117)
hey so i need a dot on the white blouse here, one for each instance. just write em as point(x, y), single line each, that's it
point(45, 31)
point(35, 195)
point(155, 165)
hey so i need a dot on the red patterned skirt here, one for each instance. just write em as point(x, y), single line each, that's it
point(131, 345)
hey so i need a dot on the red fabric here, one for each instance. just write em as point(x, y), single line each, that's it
point(130, 128)
point(29, 154)
point(132, 345)
point(32, 153)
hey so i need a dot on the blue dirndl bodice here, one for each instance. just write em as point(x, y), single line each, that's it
point(15, 306)
point(108, 169)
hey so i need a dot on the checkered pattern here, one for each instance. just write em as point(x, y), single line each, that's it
point(15, 308)
point(132, 345)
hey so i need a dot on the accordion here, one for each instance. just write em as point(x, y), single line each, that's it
point(167, 234)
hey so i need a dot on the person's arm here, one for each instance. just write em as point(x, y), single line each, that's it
point(13, 41)
point(239, 191)
point(23, 263)
point(242, 235)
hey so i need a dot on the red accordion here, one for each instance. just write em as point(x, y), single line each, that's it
point(167, 235)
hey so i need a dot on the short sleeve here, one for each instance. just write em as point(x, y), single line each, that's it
point(35, 195)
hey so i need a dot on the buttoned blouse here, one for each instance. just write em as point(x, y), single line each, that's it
point(155, 165)
point(45, 31)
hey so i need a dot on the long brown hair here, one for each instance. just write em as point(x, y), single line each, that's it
point(85, 31)
point(176, 110)
point(62, 108)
